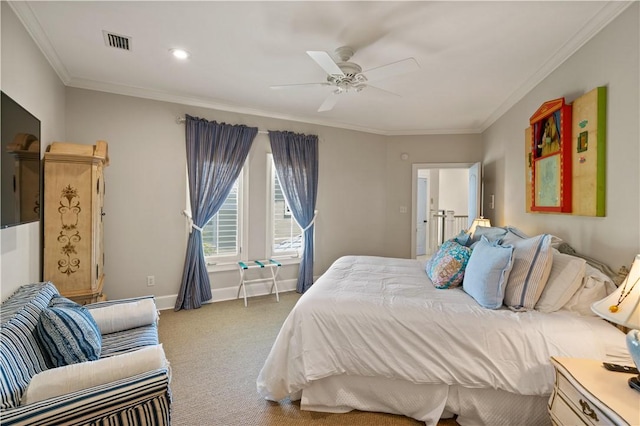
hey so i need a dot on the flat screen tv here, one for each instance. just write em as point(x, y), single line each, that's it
point(20, 165)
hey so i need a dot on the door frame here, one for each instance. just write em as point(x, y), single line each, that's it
point(414, 191)
point(427, 204)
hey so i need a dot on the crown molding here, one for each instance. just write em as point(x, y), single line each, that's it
point(157, 95)
point(608, 13)
point(25, 14)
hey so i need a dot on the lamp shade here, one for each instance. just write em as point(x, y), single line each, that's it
point(479, 221)
point(623, 305)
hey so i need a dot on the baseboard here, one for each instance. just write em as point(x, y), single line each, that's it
point(230, 293)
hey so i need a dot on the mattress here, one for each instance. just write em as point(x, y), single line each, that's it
point(375, 317)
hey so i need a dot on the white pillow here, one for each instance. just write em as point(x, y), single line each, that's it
point(565, 279)
point(74, 377)
point(123, 316)
point(595, 286)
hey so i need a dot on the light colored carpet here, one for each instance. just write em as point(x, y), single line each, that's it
point(216, 353)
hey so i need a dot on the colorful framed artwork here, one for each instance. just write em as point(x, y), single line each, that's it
point(589, 153)
point(550, 151)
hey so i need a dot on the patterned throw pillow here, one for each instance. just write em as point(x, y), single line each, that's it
point(446, 267)
point(68, 335)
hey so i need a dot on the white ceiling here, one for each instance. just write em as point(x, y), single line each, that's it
point(476, 58)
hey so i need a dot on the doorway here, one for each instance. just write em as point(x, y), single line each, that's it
point(446, 197)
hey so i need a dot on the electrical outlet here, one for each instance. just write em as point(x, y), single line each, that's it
point(151, 280)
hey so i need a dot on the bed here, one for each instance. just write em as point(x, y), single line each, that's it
point(375, 334)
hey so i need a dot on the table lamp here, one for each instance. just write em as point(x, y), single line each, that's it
point(623, 307)
point(478, 221)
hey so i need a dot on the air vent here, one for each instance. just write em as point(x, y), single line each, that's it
point(116, 40)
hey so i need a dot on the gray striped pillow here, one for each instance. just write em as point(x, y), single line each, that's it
point(68, 335)
point(532, 260)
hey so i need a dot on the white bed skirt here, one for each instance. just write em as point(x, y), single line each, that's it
point(427, 403)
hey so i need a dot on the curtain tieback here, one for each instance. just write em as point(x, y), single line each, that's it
point(315, 214)
point(191, 224)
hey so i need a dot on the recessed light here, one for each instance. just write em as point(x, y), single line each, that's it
point(179, 53)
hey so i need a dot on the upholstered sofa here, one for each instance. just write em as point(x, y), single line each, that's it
point(124, 382)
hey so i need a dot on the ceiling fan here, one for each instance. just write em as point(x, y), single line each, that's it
point(347, 77)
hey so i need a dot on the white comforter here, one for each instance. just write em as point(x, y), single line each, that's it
point(382, 317)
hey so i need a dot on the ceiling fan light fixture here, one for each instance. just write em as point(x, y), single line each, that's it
point(347, 77)
point(180, 53)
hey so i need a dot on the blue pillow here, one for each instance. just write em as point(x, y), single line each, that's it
point(513, 231)
point(63, 302)
point(446, 267)
point(463, 238)
point(492, 233)
point(487, 273)
point(68, 335)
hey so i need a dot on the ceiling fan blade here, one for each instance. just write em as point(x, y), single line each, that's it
point(329, 103)
point(324, 60)
point(377, 89)
point(395, 68)
point(301, 85)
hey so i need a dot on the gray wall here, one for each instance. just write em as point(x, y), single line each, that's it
point(421, 149)
point(609, 59)
point(28, 79)
point(362, 183)
point(146, 189)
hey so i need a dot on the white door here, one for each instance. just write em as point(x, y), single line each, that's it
point(475, 192)
point(421, 217)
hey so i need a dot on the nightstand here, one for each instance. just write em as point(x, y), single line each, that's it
point(585, 393)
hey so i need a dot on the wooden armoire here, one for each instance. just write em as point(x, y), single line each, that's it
point(74, 186)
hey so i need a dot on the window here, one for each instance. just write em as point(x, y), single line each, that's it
point(225, 238)
point(221, 236)
point(286, 235)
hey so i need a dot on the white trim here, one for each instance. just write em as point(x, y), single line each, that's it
point(230, 293)
point(158, 95)
point(268, 249)
point(25, 14)
point(243, 211)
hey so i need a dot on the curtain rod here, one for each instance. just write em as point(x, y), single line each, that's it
point(181, 120)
